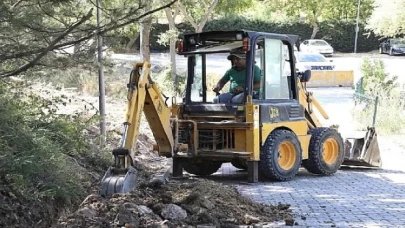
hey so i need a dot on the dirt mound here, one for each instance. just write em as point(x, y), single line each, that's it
point(179, 203)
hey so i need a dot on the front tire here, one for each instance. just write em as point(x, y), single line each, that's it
point(380, 50)
point(325, 151)
point(281, 155)
point(201, 168)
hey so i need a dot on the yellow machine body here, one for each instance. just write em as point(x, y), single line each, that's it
point(271, 134)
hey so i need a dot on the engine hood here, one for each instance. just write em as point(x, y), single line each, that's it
point(398, 46)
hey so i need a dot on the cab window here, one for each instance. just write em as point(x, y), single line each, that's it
point(277, 70)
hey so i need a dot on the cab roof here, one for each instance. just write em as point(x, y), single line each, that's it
point(224, 41)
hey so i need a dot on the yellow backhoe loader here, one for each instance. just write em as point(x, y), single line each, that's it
point(271, 133)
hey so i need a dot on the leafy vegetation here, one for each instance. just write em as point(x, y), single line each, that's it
point(42, 153)
point(339, 34)
point(387, 18)
point(390, 107)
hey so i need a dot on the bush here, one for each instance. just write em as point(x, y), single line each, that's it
point(38, 148)
point(390, 118)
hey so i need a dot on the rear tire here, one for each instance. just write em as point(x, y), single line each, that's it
point(281, 155)
point(239, 164)
point(325, 151)
point(201, 168)
point(380, 50)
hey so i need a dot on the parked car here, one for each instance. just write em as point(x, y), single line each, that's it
point(316, 46)
point(313, 61)
point(392, 46)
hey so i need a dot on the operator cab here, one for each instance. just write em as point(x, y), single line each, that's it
point(206, 52)
point(272, 53)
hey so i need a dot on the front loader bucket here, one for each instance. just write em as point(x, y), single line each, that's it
point(363, 151)
point(118, 181)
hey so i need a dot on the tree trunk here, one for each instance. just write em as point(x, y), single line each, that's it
point(146, 24)
point(172, 42)
point(314, 29)
point(173, 60)
point(131, 41)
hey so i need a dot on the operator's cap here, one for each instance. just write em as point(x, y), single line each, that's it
point(237, 53)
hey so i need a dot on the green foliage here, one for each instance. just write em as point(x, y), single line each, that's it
point(376, 82)
point(167, 86)
point(228, 7)
point(388, 18)
point(339, 34)
point(390, 109)
point(38, 148)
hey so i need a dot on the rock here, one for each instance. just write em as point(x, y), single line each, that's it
point(90, 199)
point(207, 204)
point(144, 209)
point(173, 212)
point(87, 212)
point(250, 219)
point(128, 215)
point(289, 222)
point(283, 206)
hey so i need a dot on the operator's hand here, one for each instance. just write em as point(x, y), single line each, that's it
point(216, 89)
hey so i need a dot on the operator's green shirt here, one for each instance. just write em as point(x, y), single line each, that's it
point(237, 78)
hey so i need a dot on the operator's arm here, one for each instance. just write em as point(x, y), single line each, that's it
point(257, 78)
point(221, 83)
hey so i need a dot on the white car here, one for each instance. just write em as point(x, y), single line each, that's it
point(316, 46)
point(312, 61)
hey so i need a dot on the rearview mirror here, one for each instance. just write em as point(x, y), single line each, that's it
point(305, 76)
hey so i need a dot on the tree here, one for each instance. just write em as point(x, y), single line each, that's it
point(171, 35)
point(197, 12)
point(311, 10)
point(314, 11)
point(146, 24)
point(388, 18)
point(347, 10)
point(32, 31)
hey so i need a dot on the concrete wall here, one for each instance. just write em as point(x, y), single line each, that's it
point(329, 78)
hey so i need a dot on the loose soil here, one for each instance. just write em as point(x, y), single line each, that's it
point(179, 203)
point(185, 202)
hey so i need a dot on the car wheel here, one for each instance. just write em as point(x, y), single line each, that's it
point(380, 50)
point(391, 52)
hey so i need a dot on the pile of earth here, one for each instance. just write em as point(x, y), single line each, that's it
point(179, 203)
point(184, 202)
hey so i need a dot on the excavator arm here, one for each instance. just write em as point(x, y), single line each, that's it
point(308, 101)
point(143, 96)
